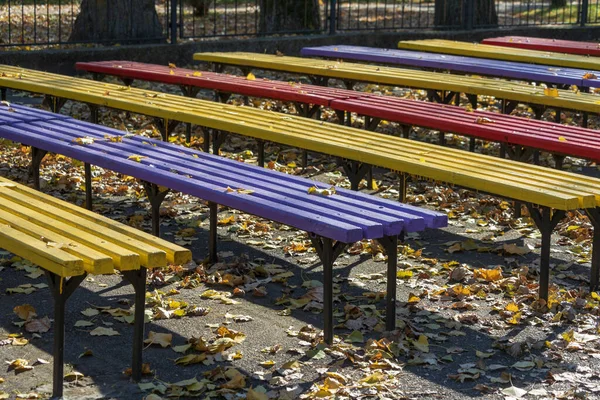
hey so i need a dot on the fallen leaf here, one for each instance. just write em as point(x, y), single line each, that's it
point(162, 339)
point(136, 157)
point(250, 77)
point(25, 311)
point(102, 331)
point(41, 325)
point(514, 391)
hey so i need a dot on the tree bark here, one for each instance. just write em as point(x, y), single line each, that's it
point(116, 20)
point(450, 13)
point(278, 16)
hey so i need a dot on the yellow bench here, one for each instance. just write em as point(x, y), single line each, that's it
point(442, 87)
point(502, 53)
point(69, 242)
point(542, 189)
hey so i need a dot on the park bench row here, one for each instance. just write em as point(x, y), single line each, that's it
point(547, 193)
point(543, 44)
point(502, 53)
point(442, 88)
point(68, 243)
point(460, 64)
point(520, 136)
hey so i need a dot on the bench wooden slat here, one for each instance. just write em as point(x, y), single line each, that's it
point(38, 252)
point(456, 64)
point(501, 53)
point(175, 254)
point(513, 91)
point(148, 255)
point(94, 262)
point(36, 213)
point(543, 44)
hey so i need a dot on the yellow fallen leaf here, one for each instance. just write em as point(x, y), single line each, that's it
point(484, 120)
point(136, 157)
point(19, 365)
point(552, 92)
point(589, 75)
point(489, 275)
point(197, 73)
point(512, 307)
point(323, 192)
point(250, 77)
point(562, 139)
point(227, 220)
point(171, 65)
point(422, 344)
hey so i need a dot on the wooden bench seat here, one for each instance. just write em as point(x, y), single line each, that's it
point(332, 221)
point(521, 135)
point(502, 53)
point(543, 44)
point(542, 189)
point(459, 64)
point(443, 88)
point(69, 242)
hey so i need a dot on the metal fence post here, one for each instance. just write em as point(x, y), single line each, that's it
point(584, 13)
point(467, 14)
point(173, 21)
point(332, 16)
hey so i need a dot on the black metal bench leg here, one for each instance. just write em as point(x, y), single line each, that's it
point(88, 185)
point(355, 171)
point(212, 238)
point(37, 155)
point(545, 220)
point(261, 153)
point(594, 216)
point(61, 289)
point(3, 94)
point(206, 143)
point(390, 244)
point(584, 120)
point(471, 144)
point(137, 278)
point(156, 197)
point(402, 186)
point(328, 252)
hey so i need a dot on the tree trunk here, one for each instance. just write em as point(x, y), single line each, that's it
point(450, 13)
point(116, 20)
point(278, 16)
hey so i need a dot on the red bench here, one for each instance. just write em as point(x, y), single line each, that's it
point(542, 44)
point(518, 135)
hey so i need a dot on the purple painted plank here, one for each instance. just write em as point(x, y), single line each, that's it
point(468, 65)
point(176, 164)
point(15, 114)
point(432, 219)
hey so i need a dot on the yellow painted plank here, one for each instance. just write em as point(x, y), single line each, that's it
point(122, 258)
point(175, 254)
point(94, 262)
point(502, 53)
point(36, 251)
point(149, 256)
point(484, 86)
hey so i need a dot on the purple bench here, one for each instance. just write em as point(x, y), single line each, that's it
point(331, 221)
point(460, 64)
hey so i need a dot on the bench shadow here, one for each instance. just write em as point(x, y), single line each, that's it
point(112, 354)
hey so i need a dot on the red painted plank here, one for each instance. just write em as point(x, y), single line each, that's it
point(542, 44)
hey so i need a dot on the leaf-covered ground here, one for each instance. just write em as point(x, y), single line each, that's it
point(469, 321)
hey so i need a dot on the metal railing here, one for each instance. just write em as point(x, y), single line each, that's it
point(25, 23)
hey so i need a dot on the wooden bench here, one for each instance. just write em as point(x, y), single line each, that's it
point(543, 190)
point(69, 243)
point(519, 136)
point(459, 64)
point(502, 53)
point(543, 44)
point(332, 221)
point(442, 88)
